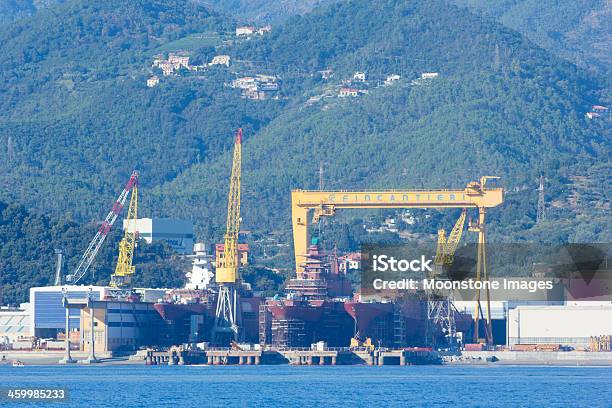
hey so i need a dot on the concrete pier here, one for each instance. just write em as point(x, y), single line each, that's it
point(310, 357)
point(226, 356)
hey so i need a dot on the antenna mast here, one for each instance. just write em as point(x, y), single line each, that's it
point(541, 215)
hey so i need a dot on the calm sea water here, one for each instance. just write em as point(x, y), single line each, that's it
point(287, 386)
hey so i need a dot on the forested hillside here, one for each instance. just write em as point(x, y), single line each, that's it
point(500, 107)
point(27, 258)
point(265, 11)
point(577, 30)
point(11, 10)
point(76, 115)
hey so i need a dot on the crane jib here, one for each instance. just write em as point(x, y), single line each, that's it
point(107, 224)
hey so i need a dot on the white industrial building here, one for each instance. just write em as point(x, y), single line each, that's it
point(568, 325)
point(177, 233)
point(14, 323)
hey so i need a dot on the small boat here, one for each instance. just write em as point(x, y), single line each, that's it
point(17, 363)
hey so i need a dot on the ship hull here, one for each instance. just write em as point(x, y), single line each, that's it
point(302, 323)
point(183, 327)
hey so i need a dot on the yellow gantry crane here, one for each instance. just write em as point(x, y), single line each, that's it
point(477, 195)
point(125, 268)
point(325, 203)
point(227, 315)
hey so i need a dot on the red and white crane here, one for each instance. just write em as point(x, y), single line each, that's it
point(98, 240)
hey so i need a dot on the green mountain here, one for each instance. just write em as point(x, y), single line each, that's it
point(574, 30)
point(11, 10)
point(578, 30)
point(500, 106)
point(265, 11)
point(75, 102)
point(76, 115)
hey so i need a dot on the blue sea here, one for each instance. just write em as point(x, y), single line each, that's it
point(303, 386)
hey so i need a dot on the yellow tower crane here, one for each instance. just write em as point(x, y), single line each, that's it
point(124, 269)
point(227, 315)
point(228, 271)
point(440, 309)
point(445, 251)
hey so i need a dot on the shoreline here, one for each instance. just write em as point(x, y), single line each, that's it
point(483, 358)
point(46, 358)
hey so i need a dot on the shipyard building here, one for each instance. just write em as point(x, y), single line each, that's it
point(48, 315)
point(119, 326)
point(14, 323)
point(177, 233)
point(569, 325)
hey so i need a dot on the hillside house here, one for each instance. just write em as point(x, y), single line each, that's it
point(348, 92)
point(429, 75)
point(244, 31)
point(265, 29)
point(242, 254)
point(173, 63)
point(265, 78)
point(269, 86)
point(166, 67)
point(153, 81)
point(258, 87)
point(391, 79)
point(359, 77)
point(255, 94)
point(350, 261)
point(243, 83)
point(178, 61)
point(221, 60)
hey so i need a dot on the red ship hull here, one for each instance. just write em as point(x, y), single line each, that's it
point(177, 311)
point(299, 323)
point(289, 310)
point(365, 313)
point(180, 326)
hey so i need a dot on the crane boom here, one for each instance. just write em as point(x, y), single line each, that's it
point(445, 251)
point(228, 272)
point(95, 244)
point(124, 269)
point(441, 311)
